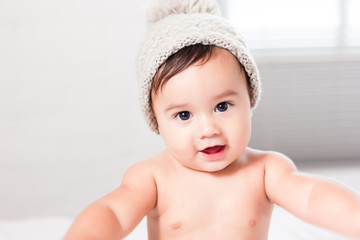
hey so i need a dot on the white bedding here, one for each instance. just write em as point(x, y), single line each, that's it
point(284, 226)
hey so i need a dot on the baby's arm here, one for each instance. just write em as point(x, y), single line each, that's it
point(315, 200)
point(117, 214)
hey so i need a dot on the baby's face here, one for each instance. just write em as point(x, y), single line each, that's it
point(204, 113)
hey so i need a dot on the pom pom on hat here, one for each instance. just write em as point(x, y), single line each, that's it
point(163, 8)
point(175, 24)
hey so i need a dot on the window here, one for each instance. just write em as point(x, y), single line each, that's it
point(296, 24)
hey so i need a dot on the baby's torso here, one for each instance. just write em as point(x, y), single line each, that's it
point(196, 205)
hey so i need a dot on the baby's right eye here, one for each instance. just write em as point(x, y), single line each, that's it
point(184, 116)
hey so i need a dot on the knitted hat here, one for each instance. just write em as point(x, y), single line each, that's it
point(175, 24)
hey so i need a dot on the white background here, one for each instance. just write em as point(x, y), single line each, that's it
point(70, 122)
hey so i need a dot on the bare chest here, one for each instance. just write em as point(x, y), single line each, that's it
point(195, 206)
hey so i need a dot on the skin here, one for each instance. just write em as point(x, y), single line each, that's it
point(207, 183)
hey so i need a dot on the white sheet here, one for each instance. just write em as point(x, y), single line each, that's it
point(284, 226)
point(40, 228)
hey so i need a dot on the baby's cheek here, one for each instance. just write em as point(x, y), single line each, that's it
point(240, 134)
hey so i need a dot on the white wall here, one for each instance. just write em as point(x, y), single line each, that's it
point(310, 105)
point(69, 115)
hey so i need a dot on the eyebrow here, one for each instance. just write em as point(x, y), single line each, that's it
point(175, 106)
point(227, 93)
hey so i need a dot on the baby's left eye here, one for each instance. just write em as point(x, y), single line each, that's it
point(222, 107)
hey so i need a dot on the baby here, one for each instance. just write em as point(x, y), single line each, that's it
point(199, 85)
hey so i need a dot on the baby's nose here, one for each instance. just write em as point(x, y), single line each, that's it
point(208, 127)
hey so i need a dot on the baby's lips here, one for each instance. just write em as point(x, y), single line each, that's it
point(212, 150)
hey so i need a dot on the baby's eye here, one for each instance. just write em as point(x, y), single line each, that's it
point(222, 107)
point(183, 116)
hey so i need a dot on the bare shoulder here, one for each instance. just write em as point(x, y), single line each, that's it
point(140, 172)
point(279, 172)
point(278, 162)
point(144, 171)
point(276, 166)
point(271, 160)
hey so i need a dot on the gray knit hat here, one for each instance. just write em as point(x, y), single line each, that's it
point(175, 24)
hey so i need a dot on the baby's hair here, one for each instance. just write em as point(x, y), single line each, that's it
point(181, 60)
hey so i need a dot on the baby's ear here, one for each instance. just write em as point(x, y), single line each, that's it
point(158, 131)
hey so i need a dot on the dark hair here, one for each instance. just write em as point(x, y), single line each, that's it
point(180, 61)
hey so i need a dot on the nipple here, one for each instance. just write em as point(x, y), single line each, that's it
point(176, 225)
point(252, 223)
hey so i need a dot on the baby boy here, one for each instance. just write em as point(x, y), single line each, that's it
point(199, 85)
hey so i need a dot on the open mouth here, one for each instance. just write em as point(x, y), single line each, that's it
point(214, 153)
point(213, 150)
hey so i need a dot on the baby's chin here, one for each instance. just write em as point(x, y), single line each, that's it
point(213, 167)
